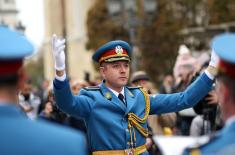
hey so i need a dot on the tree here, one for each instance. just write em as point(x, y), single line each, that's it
point(158, 40)
point(221, 11)
point(34, 69)
point(101, 27)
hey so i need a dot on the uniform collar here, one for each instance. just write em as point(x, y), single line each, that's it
point(230, 121)
point(117, 93)
point(109, 95)
point(229, 126)
point(11, 110)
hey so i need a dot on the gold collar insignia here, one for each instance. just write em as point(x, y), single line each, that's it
point(108, 95)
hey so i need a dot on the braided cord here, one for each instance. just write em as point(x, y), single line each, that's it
point(134, 120)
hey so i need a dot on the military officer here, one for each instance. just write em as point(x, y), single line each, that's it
point(18, 134)
point(114, 113)
point(223, 142)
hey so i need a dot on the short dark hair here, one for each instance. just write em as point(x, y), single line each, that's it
point(102, 64)
point(229, 82)
point(9, 80)
point(28, 81)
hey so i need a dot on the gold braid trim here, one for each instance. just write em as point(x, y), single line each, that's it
point(134, 120)
point(195, 151)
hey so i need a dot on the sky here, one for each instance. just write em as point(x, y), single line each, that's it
point(32, 16)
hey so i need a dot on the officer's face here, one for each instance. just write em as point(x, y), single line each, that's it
point(115, 73)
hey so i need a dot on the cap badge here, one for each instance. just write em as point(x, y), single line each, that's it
point(118, 50)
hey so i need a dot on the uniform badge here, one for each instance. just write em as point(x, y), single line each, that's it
point(108, 96)
point(118, 50)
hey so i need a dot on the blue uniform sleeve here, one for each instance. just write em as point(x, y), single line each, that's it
point(78, 106)
point(164, 103)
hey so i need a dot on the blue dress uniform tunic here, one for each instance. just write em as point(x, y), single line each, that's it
point(22, 136)
point(106, 116)
point(217, 143)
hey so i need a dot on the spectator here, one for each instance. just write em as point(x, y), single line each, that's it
point(29, 101)
point(167, 86)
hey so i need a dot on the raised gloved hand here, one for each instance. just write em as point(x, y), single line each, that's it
point(214, 59)
point(211, 70)
point(58, 46)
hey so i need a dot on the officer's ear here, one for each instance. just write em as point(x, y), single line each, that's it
point(225, 94)
point(102, 72)
point(102, 69)
point(21, 78)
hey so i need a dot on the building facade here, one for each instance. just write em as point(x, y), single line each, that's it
point(8, 13)
point(67, 18)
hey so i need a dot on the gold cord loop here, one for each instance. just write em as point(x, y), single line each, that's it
point(134, 120)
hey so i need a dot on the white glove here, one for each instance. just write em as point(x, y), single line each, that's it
point(210, 72)
point(58, 46)
point(214, 59)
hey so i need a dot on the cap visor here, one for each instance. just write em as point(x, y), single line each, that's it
point(117, 59)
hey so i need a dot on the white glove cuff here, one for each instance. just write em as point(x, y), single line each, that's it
point(61, 78)
point(213, 64)
point(60, 68)
point(214, 59)
point(212, 77)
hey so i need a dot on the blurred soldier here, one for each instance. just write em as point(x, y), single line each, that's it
point(224, 46)
point(115, 115)
point(20, 135)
